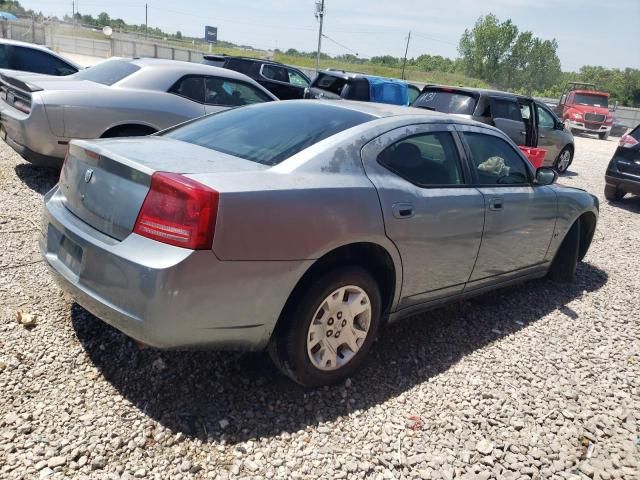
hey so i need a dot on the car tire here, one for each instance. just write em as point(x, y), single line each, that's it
point(563, 267)
point(128, 131)
point(563, 160)
point(306, 343)
point(613, 194)
point(603, 135)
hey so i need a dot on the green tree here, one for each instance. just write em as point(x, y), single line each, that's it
point(179, 35)
point(103, 19)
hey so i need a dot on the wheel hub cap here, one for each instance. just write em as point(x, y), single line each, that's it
point(339, 328)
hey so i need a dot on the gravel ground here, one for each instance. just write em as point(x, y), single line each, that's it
point(538, 381)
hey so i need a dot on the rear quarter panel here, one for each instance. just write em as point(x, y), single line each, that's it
point(572, 203)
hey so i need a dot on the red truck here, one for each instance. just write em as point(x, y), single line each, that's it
point(583, 108)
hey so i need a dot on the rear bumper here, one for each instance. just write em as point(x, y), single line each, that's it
point(626, 183)
point(165, 296)
point(30, 136)
point(582, 127)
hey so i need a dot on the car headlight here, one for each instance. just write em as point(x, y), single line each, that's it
point(577, 116)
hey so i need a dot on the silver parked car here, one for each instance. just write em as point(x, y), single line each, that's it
point(23, 57)
point(115, 98)
point(303, 226)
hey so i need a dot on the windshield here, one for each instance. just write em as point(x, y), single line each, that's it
point(269, 133)
point(330, 83)
point(107, 72)
point(447, 102)
point(591, 99)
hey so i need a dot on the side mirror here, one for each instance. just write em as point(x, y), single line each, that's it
point(307, 93)
point(559, 125)
point(546, 176)
point(614, 107)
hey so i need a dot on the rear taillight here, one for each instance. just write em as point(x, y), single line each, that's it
point(64, 162)
point(178, 211)
point(627, 141)
point(21, 105)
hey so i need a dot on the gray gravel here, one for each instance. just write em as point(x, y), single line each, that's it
point(538, 381)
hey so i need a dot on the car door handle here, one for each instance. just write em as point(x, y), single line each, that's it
point(402, 210)
point(495, 204)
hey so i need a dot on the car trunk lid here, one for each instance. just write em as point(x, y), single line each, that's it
point(105, 182)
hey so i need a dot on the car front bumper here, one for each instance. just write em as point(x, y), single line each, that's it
point(161, 295)
point(588, 127)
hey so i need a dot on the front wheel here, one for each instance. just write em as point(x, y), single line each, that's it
point(327, 333)
point(613, 194)
point(565, 157)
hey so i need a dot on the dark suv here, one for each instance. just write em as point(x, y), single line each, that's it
point(338, 84)
point(284, 82)
point(527, 122)
point(623, 172)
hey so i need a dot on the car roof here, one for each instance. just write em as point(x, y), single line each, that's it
point(223, 56)
point(187, 67)
point(385, 110)
point(41, 48)
point(479, 91)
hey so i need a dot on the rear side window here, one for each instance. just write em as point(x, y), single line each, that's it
point(495, 162)
point(4, 57)
point(269, 133)
point(274, 72)
point(223, 91)
point(447, 102)
point(108, 72)
point(429, 159)
point(507, 109)
point(31, 60)
point(242, 66)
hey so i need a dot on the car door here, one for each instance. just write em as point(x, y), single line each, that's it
point(191, 89)
point(519, 216)
point(223, 93)
point(507, 117)
point(551, 138)
point(431, 211)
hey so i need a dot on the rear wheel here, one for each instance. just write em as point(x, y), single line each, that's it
point(563, 267)
point(327, 333)
point(603, 135)
point(613, 194)
point(128, 131)
point(564, 159)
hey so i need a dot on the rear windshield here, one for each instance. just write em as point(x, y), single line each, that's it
point(107, 72)
point(590, 99)
point(329, 83)
point(269, 133)
point(447, 102)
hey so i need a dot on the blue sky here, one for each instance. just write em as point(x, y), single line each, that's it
point(588, 32)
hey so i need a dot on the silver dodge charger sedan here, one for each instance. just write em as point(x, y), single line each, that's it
point(115, 98)
point(303, 226)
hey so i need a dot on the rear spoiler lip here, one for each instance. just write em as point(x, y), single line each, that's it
point(20, 84)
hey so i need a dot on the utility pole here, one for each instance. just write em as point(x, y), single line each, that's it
point(320, 16)
point(146, 20)
point(406, 50)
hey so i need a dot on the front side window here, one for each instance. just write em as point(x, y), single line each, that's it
point(31, 60)
point(270, 132)
point(296, 79)
point(507, 109)
point(428, 159)
point(223, 91)
point(191, 87)
point(545, 118)
point(495, 162)
point(107, 72)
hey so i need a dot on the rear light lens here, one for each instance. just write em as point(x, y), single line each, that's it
point(24, 107)
point(627, 141)
point(66, 155)
point(178, 211)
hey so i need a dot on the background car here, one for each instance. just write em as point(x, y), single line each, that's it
point(618, 128)
point(28, 57)
point(326, 219)
point(527, 122)
point(284, 82)
point(337, 85)
point(115, 98)
point(623, 171)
